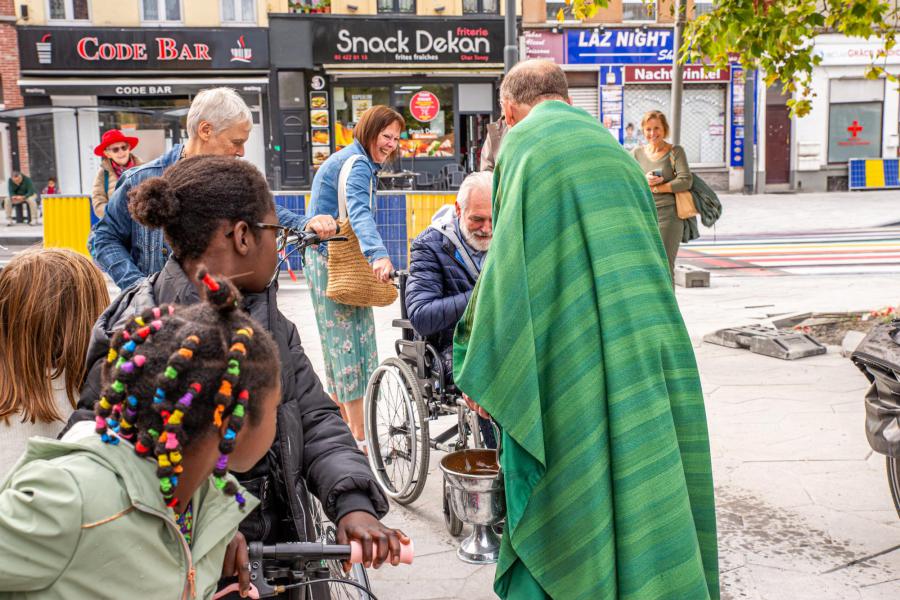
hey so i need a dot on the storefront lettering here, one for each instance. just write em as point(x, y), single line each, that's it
point(623, 38)
point(462, 41)
point(360, 44)
point(143, 90)
point(657, 73)
point(168, 50)
point(90, 48)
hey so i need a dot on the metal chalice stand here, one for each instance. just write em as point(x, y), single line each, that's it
point(477, 498)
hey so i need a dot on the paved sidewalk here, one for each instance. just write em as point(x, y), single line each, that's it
point(800, 495)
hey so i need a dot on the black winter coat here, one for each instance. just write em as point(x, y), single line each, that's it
point(438, 288)
point(313, 447)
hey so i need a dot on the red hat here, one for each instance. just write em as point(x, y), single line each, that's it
point(114, 136)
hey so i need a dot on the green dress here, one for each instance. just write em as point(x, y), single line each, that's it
point(573, 341)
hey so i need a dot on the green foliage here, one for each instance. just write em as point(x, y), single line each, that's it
point(776, 37)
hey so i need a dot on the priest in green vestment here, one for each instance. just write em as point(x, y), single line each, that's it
point(574, 343)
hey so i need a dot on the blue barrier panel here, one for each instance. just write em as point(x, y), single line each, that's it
point(295, 202)
point(390, 218)
point(874, 173)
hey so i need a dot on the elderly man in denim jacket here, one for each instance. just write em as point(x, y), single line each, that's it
point(218, 123)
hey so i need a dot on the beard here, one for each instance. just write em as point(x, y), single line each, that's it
point(476, 240)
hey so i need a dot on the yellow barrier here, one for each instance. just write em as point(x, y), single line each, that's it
point(420, 209)
point(67, 222)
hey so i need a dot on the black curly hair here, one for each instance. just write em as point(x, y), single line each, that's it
point(198, 191)
point(173, 373)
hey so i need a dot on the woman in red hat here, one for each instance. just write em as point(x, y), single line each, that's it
point(116, 149)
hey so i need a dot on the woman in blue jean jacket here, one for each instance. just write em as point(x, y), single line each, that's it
point(348, 332)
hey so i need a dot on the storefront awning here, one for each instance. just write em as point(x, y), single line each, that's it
point(133, 86)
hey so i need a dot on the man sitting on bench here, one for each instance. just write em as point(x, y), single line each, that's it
point(21, 190)
point(445, 261)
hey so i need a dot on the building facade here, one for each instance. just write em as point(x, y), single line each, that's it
point(134, 65)
point(851, 117)
point(13, 142)
point(438, 63)
point(618, 65)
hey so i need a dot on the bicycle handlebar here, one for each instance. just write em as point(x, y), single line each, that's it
point(303, 239)
point(320, 551)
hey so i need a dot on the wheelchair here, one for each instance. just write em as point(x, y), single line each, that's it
point(405, 394)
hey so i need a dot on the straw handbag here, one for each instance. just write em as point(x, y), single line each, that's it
point(684, 201)
point(350, 277)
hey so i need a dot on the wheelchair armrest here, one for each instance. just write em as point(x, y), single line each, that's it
point(401, 323)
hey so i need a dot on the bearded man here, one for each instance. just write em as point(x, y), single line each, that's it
point(445, 261)
point(573, 342)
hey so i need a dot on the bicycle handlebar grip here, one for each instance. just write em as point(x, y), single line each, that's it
point(407, 552)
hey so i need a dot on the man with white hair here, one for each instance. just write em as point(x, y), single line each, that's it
point(218, 123)
point(445, 261)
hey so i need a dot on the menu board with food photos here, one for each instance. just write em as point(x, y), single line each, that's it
point(320, 130)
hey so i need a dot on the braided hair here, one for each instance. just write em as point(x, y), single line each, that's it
point(173, 374)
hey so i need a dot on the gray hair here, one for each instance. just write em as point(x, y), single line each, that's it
point(221, 107)
point(479, 179)
point(532, 81)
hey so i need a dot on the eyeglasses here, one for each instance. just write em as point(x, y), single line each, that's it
point(117, 149)
point(288, 236)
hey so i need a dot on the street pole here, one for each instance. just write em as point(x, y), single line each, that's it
point(677, 71)
point(511, 49)
point(749, 131)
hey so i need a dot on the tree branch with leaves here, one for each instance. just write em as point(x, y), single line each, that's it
point(776, 37)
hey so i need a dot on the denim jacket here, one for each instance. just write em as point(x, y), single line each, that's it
point(127, 250)
point(362, 181)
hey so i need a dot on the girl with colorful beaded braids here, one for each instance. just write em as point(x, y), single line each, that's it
point(140, 503)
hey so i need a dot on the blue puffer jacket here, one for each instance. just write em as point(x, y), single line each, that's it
point(439, 283)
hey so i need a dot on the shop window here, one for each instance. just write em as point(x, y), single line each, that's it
point(474, 7)
point(160, 11)
point(702, 7)
point(239, 11)
point(702, 118)
point(406, 7)
point(553, 8)
point(855, 119)
point(637, 10)
point(854, 131)
point(427, 109)
point(68, 10)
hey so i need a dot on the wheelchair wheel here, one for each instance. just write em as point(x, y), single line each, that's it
point(893, 474)
point(397, 430)
point(453, 523)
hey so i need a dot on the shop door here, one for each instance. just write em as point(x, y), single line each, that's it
point(778, 144)
point(472, 138)
point(294, 157)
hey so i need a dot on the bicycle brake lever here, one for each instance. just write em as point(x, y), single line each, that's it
point(257, 576)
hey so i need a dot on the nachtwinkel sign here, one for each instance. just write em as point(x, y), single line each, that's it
point(107, 49)
point(408, 41)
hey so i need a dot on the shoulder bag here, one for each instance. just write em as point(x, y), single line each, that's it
point(684, 201)
point(351, 280)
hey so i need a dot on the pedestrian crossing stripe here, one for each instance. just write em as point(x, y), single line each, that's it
point(863, 250)
point(874, 173)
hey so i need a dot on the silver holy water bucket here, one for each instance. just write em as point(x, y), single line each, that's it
point(477, 498)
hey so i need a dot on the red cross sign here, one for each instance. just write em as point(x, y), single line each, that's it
point(855, 128)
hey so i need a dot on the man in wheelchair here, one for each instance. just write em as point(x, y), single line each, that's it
point(445, 261)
